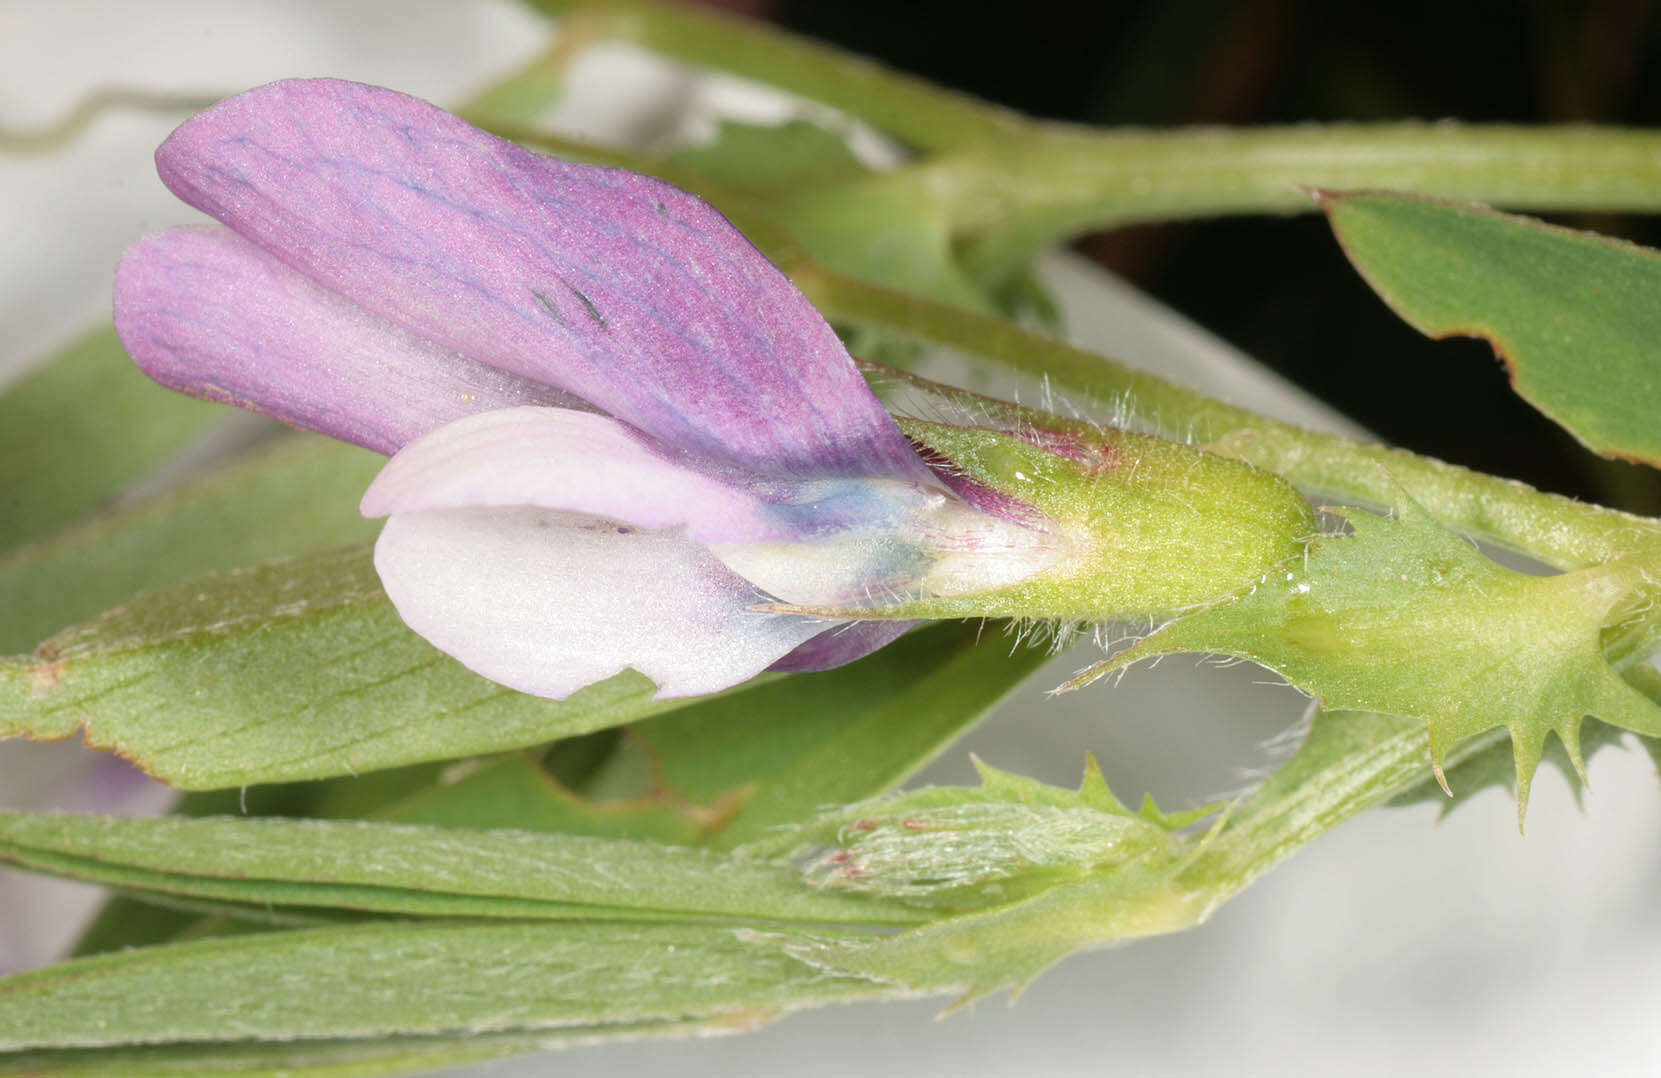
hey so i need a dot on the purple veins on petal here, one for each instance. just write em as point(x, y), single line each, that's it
point(615, 287)
point(207, 313)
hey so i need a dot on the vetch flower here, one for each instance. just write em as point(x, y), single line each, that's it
point(619, 433)
point(620, 437)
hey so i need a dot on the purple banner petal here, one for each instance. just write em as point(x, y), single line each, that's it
point(614, 286)
point(207, 313)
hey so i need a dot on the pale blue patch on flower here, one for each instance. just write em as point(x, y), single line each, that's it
point(618, 430)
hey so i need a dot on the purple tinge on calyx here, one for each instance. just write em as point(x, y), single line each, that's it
point(609, 285)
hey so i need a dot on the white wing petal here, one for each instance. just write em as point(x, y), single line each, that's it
point(547, 602)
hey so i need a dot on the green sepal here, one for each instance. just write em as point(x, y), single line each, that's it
point(1141, 525)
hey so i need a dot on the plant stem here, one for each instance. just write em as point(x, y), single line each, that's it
point(1012, 185)
point(1011, 197)
point(1350, 762)
point(910, 109)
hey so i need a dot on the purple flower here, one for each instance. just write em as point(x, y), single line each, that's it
point(618, 430)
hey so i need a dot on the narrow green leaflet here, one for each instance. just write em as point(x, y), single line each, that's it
point(296, 496)
point(423, 977)
point(433, 871)
point(140, 918)
point(1405, 618)
point(291, 670)
point(1576, 317)
point(81, 428)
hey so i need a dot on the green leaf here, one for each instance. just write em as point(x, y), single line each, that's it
point(1576, 317)
point(727, 768)
point(140, 919)
point(429, 871)
point(1405, 618)
point(292, 670)
point(418, 978)
point(78, 430)
point(296, 496)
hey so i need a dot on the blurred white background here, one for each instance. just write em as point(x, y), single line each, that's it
point(1395, 944)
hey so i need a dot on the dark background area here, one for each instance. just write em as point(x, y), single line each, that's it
point(1278, 287)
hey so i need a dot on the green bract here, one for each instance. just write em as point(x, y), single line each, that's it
point(1404, 617)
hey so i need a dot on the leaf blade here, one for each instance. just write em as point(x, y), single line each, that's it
point(1573, 315)
point(432, 871)
point(295, 496)
point(292, 670)
point(402, 978)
